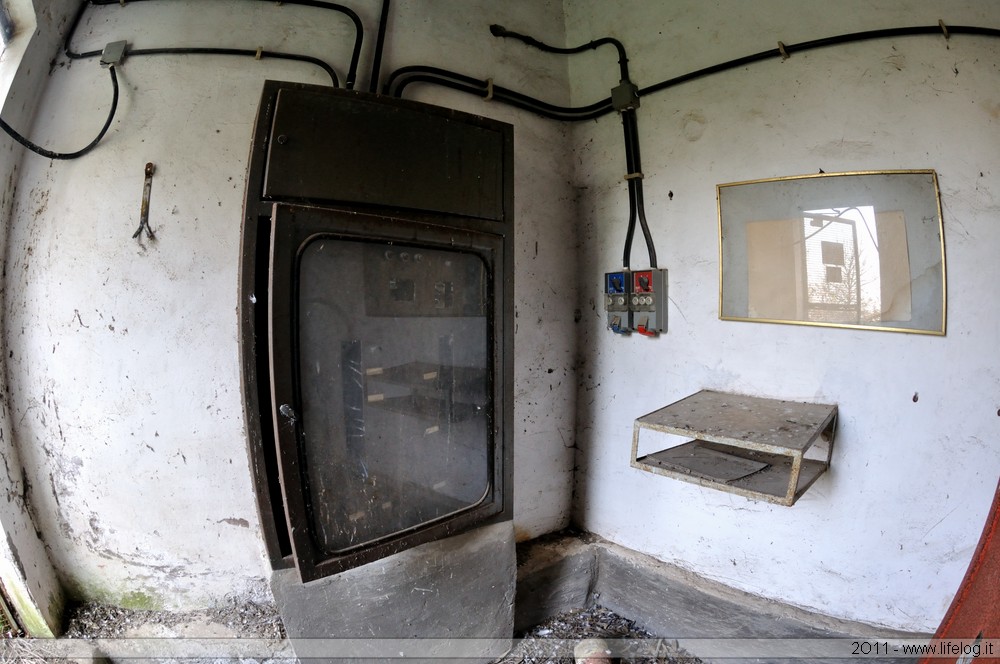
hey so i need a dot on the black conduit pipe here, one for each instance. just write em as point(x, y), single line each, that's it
point(359, 31)
point(379, 47)
point(605, 107)
point(404, 76)
point(945, 31)
point(500, 31)
point(196, 51)
point(630, 127)
point(82, 151)
point(633, 177)
point(165, 51)
point(400, 78)
point(351, 72)
point(629, 116)
point(629, 168)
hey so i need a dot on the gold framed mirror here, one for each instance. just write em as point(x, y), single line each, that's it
point(861, 250)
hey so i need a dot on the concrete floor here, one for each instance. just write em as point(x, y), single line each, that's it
point(562, 572)
point(555, 574)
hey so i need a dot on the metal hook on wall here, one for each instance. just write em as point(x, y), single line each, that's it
point(144, 210)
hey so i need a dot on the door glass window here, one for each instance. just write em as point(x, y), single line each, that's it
point(393, 348)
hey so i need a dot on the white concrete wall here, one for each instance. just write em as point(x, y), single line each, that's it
point(455, 35)
point(886, 535)
point(29, 581)
point(121, 357)
point(125, 398)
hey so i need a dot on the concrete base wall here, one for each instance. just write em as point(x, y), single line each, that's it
point(564, 573)
point(452, 593)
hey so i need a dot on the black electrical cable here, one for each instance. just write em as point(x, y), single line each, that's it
point(79, 153)
point(351, 72)
point(629, 116)
point(198, 51)
point(500, 31)
point(239, 52)
point(580, 113)
point(630, 127)
point(637, 204)
point(400, 78)
point(629, 166)
point(379, 47)
point(404, 76)
point(605, 107)
point(789, 49)
point(224, 51)
point(359, 31)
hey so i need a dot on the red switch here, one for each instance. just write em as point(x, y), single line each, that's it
point(641, 329)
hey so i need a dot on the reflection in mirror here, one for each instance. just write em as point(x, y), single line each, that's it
point(841, 249)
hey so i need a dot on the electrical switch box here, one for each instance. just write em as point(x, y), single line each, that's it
point(411, 281)
point(648, 301)
point(616, 301)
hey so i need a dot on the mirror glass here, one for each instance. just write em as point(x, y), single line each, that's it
point(861, 250)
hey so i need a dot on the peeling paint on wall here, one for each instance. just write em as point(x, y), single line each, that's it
point(124, 379)
point(885, 536)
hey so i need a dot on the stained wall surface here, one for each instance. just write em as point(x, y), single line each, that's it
point(124, 388)
point(27, 577)
point(886, 535)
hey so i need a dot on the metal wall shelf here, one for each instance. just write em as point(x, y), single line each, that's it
point(751, 446)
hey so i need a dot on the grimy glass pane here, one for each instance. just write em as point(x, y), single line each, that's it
point(393, 351)
point(859, 250)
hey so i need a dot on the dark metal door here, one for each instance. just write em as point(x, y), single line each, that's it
point(385, 369)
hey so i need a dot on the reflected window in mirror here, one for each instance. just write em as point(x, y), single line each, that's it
point(860, 250)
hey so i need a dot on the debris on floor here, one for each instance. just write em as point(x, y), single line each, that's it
point(235, 627)
point(556, 639)
point(553, 641)
point(8, 629)
point(237, 619)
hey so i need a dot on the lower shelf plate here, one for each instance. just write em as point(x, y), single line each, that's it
point(696, 458)
point(737, 470)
